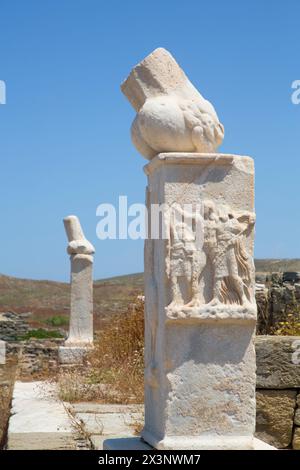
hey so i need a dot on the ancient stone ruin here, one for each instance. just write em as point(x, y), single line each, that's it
point(12, 326)
point(277, 297)
point(200, 309)
point(80, 338)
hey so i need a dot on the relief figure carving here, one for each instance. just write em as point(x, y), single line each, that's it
point(222, 246)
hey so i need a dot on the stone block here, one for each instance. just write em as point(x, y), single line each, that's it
point(136, 443)
point(275, 413)
point(72, 354)
point(296, 439)
point(278, 362)
point(38, 420)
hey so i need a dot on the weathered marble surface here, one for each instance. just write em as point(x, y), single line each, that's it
point(136, 443)
point(81, 253)
point(200, 309)
point(200, 315)
point(172, 116)
point(38, 420)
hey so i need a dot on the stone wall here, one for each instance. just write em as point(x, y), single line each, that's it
point(277, 295)
point(278, 390)
point(12, 326)
point(7, 378)
point(35, 357)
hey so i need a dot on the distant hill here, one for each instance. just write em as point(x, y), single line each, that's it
point(277, 265)
point(46, 299)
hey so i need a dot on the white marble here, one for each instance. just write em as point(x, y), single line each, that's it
point(200, 307)
point(38, 420)
point(172, 116)
point(136, 443)
point(81, 252)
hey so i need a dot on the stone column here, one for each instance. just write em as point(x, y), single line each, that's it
point(200, 309)
point(81, 251)
point(2, 352)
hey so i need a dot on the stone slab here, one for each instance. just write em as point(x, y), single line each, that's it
point(275, 414)
point(278, 362)
point(90, 407)
point(135, 443)
point(38, 421)
point(126, 443)
point(109, 423)
point(97, 441)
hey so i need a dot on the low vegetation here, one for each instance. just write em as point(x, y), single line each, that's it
point(58, 321)
point(115, 372)
point(41, 333)
point(291, 325)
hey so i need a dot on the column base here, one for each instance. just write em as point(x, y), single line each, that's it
point(201, 442)
point(136, 443)
point(72, 354)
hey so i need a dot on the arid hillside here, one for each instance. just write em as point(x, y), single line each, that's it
point(47, 299)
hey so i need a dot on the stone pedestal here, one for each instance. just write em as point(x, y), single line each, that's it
point(81, 319)
point(200, 309)
point(71, 355)
point(135, 443)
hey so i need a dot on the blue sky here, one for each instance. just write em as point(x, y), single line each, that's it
point(64, 139)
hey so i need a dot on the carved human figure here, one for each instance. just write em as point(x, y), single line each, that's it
point(187, 259)
point(210, 214)
point(231, 264)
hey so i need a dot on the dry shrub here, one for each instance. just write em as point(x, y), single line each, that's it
point(73, 386)
point(291, 325)
point(118, 357)
point(114, 370)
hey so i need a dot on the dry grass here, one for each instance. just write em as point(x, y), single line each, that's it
point(118, 357)
point(114, 371)
point(291, 325)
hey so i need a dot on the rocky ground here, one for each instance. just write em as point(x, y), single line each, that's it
point(7, 378)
